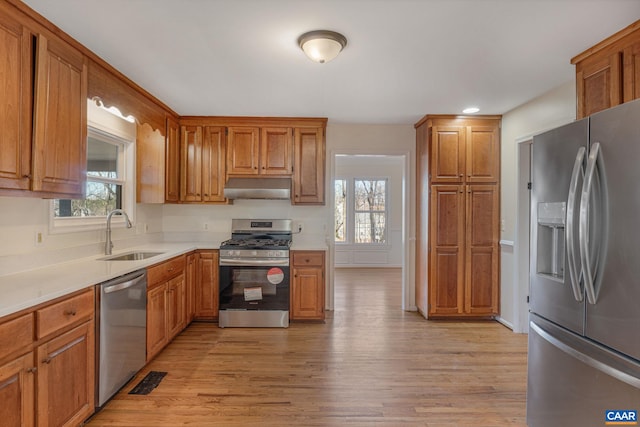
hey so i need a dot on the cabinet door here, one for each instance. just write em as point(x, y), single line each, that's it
point(213, 164)
point(156, 320)
point(482, 163)
point(191, 163)
point(276, 151)
point(190, 279)
point(175, 306)
point(447, 154)
point(309, 160)
point(481, 283)
point(631, 71)
point(207, 285)
point(15, 103)
point(243, 151)
point(66, 367)
point(172, 163)
point(16, 392)
point(60, 119)
point(150, 162)
point(307, 294)
point(446, 240)
point(598, 83)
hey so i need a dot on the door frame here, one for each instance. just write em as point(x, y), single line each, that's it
point(408, 240)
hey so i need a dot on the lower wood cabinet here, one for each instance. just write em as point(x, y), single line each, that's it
point(190, 277)
point(47, 364)
point(206, 288)
point(307, 285)
point(17, 381)
point(166, 303)
point(66, 371)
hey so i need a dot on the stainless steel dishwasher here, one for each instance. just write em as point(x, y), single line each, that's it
point(121, 332)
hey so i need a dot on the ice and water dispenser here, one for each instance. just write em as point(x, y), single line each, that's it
point(551, 240)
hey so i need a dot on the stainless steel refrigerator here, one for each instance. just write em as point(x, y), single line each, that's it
point(584, 321)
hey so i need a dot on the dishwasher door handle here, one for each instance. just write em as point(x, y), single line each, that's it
point(124, 285)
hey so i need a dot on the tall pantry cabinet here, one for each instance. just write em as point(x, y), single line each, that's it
point(458, 166)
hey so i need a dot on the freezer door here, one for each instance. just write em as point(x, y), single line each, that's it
point(614, 319)
point(557, 171)
point(573, 382)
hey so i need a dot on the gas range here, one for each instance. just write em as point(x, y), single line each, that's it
point(254, 274)
point(259, 240)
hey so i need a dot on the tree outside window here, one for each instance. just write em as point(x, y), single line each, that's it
point(361, 211)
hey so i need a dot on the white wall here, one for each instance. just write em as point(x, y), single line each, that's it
point(552, 109)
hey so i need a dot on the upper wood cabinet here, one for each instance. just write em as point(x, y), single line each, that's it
point(202, 164)
point(15, 102)
point(259, 151)
point(243, 151)
point(309, 169)
point(172, 162)
point(150, 159)
point(252, 147)
point(464, 150)
point(608, 73)
point(60, 119)
point(43, 110)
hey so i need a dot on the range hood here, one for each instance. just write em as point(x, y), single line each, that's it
point(258, 188)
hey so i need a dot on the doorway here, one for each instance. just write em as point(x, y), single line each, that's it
point(355, 244)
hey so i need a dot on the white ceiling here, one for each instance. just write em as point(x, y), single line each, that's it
point(404, 58)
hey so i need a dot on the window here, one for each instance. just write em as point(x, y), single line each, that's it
point(361, 211)
point(109, 183)
point(105, 179)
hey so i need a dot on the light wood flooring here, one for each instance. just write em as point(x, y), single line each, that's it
point(370, 364)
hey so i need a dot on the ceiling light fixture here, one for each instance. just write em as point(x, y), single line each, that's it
point(322, 45)
point(471, 110)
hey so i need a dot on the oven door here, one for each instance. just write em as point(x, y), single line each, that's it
point(247, 287)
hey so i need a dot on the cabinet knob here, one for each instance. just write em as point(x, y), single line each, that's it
point(32, 370)
point(27, 176)
point(70, 312)
point(47, 360)
point(461, 175)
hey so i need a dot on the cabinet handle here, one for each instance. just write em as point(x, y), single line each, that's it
point(461, 175)
point(61, 350)
point(32, 370)
point(170, 269)
point(27, 176)
point(70, 312)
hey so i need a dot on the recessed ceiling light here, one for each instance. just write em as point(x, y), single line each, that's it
point(470, 110)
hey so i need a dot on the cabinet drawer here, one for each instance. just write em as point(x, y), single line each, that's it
point(308, 258)
point(162, 272)
point(64, 313)
point(16, 334)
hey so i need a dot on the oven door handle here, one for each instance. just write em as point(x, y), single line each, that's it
point(257, 262)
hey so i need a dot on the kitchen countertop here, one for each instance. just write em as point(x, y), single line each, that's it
point(27, 289)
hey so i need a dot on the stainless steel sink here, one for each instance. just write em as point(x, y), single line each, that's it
point(131, 256)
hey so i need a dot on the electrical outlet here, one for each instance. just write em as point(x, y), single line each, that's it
point(39, 238)
point(205, 226)
point(502, 225)
point(297, 226)
point(141, 228)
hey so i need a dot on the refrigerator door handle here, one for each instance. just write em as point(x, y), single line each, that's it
point(571, 244)
point(572, 350)
point(583, 232)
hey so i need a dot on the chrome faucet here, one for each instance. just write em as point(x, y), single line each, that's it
point(108, 245)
